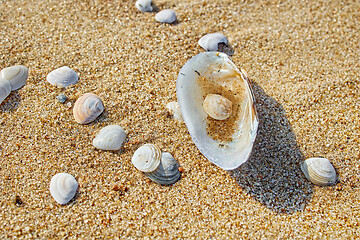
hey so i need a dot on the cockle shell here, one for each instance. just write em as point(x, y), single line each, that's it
point(147, 158)
point(167, 172)
point(62, 77)
point(217, 106)
point(319, 171)
point(87, 108)
point(16, 75)
point(226, 143)
point(63, 187)
point(5, 89)
point(166, 16)
point(210, 42)
point(174, 109)
point(144, 5)
point(110, 138)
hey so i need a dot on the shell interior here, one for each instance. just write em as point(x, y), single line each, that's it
point(110, 138)
point(226, 143)
point(63, 187)
point(167, 172)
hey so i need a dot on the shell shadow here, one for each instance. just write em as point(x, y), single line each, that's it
point(11, 103)
point(227, 49)
point(272, 175)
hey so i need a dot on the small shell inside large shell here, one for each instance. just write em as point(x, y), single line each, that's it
point(217, 106)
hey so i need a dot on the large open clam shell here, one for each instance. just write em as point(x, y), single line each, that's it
point(319, 171)
point(16, 75)
point(226, 143)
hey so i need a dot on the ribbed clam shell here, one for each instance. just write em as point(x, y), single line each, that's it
point(16, 75)
point(63, 187)
point(174, 109)
point(217, 106)
point(110, 138)
point(87, 108)
point(5, 89)
point(319, 171)
point(62, 77)
point(210, 42)
point(167, 172)
point(147, 158)
point(144, 5)
point(226, 143)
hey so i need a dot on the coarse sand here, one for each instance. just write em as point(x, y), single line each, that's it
point(302, 58)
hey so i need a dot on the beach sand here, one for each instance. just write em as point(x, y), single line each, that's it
point(303, 61)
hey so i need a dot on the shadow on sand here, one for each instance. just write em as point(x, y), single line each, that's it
point(272, 174)
point(11, 103)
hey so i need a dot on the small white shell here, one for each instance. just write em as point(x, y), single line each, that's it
point(319, 171)
point(110, 138)
point(63, 187)
point(147, 158)
point(5, 89)
point(217, 106)
point(166, 16)
point(174, 109)
point(167, 172)
point(210, 42)
point(87, 108)
point(16, 75)
point(62, 77)
point(144, 5)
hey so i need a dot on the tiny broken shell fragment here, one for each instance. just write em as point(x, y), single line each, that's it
point(63, 187)
point(87, 108)
point(5, 89)
point(167, 172)
point(174, 109)
point(319, 171)
point(16, 75)
point(227, 143)
point(62, 77)
point(210, 42)
point(217, 106)
point(147, 158)
point(110, 137)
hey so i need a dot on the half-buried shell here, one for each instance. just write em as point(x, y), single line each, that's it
point(87, 108)
point(110, 138)
point(16, 75)
point(227, 143)
point(319, 171)
point(63, 187)
point(62, 77)
point(5, 89)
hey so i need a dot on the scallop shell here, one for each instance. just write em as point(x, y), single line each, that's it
point(63, 187)
point(147, 158)
point(226, 143)
point(87, 108)
point(217, 106)
point(174, 109)
point(166, 16)
point(62, 77)
point(210, 42)
point(16, 75)
point(167, 172)
point(5, 89)
point(110, 138)
point(319, 171)
point(144, 5)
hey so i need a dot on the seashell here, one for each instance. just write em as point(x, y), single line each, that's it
point(62, 77)
point(226, 143)
point(167, 172)
point(16, 75)
point(174, 109)
point(110, 138)
point(166, 16)
point(147, 158)
point(63, 187)
point(210, 42)
point(144, 5)
point(217, 106)
point(319, 171)
point(5, 89)
point(87, 108)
